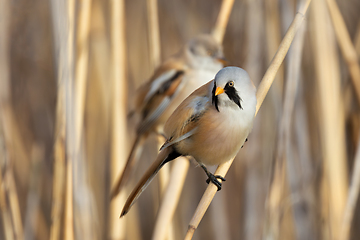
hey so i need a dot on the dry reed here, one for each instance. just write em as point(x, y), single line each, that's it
point(68, 80)
point(4, 88)
point(331, 121)
point(301, 197)
point(155, 59)
point(5, 214)
point(63, 32)
point(218, 31)
point(11, 215)
point(69, 70)
point(347, 48)
point(353, 196)
point(154, 35)
point(118, 147)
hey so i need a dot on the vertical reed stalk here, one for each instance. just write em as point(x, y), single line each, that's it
point(82, 56)
point(5, 211)
point(59, 178)
point(8, 186)
point(155, 58)
point(171, 198)
point(155, 53)
point(84, 214)
point(154, 34)
point(357, 39)
point(352, 198)
point(254, 173)
point(331, 122)
point(164, 178)
point(59, 165)
point(33, 210)
point(63, 20)
point(274, 211)
point(4, 87)
point(118, 144)
point(347, 47)
point(274, 66)
point(304, 221)
point(14, 204)
point(70, 124)
point(69, 207)
point(4, 52)
point(273, 39)
point(222, 21)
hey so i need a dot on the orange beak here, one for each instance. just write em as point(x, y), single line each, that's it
point(219, 90)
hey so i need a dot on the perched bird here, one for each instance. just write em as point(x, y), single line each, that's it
point(210, 125)
point(195, 64)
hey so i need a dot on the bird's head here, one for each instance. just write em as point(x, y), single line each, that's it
point(232, 87)
point(204, 50)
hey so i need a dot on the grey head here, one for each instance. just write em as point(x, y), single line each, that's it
point(233, 87)
point(204, 52)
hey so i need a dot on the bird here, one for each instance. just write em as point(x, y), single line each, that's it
point(211, 125)
point(194, 65)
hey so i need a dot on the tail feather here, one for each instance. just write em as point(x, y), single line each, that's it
point(131, 161)
point(164, 156)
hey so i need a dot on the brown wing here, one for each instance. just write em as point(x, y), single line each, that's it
point(172, 65)
point(156, 95)
point(183, 120)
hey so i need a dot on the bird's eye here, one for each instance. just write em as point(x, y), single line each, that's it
point(231, 84)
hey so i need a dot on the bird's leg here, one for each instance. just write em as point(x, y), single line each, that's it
point(213, 178)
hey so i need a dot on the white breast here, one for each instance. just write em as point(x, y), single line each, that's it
point(220, 134)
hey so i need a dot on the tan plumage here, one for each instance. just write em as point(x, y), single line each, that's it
point(211, 125)
point(197, 63)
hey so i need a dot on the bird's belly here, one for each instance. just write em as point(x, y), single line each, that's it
point(218, 141)
point(222, 151)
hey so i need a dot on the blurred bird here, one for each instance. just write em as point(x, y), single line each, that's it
point(210, 125)
point(198, 62)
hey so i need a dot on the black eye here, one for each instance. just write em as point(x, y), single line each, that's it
point(231, 84)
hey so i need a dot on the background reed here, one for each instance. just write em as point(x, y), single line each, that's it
point(69, 71)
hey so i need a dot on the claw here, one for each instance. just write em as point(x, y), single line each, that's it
point(215, 181)
point(213, 178)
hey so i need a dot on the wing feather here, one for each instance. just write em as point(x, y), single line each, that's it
point(159, 94)
point(182, 123)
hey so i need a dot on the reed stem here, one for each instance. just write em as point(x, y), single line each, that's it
point(222, 20)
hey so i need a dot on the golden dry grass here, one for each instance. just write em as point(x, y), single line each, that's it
point(69, 71)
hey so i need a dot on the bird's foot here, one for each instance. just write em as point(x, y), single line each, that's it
point(214, 179)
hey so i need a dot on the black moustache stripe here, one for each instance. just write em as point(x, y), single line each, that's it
point(215, 99)
point(232, 94)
